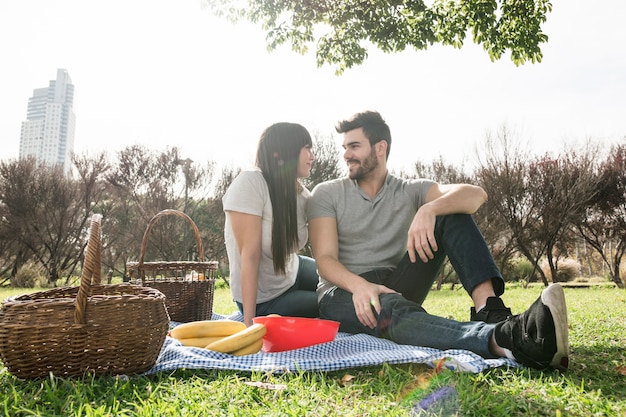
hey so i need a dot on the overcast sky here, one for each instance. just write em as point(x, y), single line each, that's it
point(168, 73)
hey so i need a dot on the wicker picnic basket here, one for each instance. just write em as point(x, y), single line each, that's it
point(188, 286)
point(92, 328)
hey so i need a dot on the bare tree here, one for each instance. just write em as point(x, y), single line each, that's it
point(562, 188)
point(144, 182)
point(12, 254)
point(442, 172)
point(47, 213)
point(146, 178)
point(540, 200)
point(604, 225)
point(212, 219)
point(327, 163)
point(503, 173)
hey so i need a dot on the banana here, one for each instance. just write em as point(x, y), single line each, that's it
point(207, 328)
point(239, 340)
point(199, 341)
point(252, 348)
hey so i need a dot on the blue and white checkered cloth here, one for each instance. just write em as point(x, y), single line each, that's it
point(346, 351)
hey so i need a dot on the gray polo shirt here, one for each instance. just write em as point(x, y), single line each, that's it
point(372, 233)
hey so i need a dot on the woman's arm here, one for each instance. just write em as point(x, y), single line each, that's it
point(247, 232)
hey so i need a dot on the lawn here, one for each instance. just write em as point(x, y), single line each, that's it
point(595, 385)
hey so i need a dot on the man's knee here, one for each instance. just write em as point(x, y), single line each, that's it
point(395, 301)
point(395, 310)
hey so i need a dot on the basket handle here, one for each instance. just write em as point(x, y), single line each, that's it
point(91, 269)
point(163, 213)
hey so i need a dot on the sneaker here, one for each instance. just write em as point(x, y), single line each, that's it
point(538, 337)
point(493, 312)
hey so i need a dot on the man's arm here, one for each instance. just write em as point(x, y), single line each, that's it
point(440, 200)
point(455, 198)
point(325, 245)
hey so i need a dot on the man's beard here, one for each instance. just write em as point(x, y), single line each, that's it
point(368, 165)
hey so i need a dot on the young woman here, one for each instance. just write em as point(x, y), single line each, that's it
point(266, 227)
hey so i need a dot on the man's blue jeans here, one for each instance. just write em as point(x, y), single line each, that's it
point(402, 318)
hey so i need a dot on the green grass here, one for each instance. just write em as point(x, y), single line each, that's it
point(595, 385)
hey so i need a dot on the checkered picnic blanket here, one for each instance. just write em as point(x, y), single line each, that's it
point(346, 351)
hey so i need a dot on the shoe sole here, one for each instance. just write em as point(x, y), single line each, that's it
point(553, 297)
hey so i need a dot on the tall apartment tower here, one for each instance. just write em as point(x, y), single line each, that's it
point(48, 132)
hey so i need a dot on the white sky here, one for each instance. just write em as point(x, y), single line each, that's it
point(168, 73)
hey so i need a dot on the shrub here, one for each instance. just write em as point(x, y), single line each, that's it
point(447, 275)
point(28, 276)
point(568, 270)
point(522, 270)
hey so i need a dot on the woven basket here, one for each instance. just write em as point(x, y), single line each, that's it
point(93, 328)
point(188, 286)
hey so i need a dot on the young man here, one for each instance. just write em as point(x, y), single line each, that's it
point(379, 242)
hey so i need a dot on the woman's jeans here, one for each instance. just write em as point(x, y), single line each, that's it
point(300, 300)
point(402, 318)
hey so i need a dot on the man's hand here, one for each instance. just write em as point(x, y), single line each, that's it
point(365, 298)
point(421, 235)
point(440, 200)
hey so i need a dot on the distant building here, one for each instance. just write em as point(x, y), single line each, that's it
point(48, 132)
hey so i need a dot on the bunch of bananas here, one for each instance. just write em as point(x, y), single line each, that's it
point(226, 336)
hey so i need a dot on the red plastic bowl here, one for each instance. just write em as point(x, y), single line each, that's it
point(287, 333)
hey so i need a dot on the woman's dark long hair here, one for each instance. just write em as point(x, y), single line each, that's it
point(277, 156)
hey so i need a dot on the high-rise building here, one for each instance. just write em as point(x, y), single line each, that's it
point(48, 132)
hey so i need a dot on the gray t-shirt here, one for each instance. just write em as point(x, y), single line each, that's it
point(372, 233)
point(249, 194)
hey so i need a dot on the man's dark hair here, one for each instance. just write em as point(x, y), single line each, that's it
point(374, 127)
